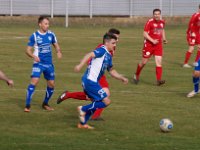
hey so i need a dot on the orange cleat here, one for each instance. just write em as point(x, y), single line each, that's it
point(47, 107)
point(27, 109)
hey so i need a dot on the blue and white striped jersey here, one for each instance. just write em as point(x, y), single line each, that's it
point(42, 45)
point(98, 65)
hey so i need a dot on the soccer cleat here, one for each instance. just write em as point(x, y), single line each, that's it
point(62, 97)
point(135, 79)
point(85, 126)
point(160, 82)
point(26, 109)
point(47, 107)
point(187, 66)
point(192, 94)
point(81, 114)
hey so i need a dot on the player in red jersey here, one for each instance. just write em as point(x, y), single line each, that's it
point(154, 37)
point(193, 38)
point(103, 82)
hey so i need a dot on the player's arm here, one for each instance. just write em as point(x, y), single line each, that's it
point(118, 76)
point(146, 36)
point(30, 54)
point(191, 28)
point(58, 50)
point(5, 78)
point(164, 37)
point(84, 61)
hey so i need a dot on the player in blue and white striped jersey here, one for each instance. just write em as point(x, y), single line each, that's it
point(41, 41)
point(101, 60)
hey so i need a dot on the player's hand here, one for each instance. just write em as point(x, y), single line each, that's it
point(77, 68)
point(37, 59)
point(155, 41)
point(165, 41)
point(59, 55)
point(10, 83)
point(125, 80)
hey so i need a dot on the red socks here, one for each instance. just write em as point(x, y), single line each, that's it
point(139, 68)
point(77, 95)
point(187, 57)
point(158, 73)
point(97, 113)
point(198, 56)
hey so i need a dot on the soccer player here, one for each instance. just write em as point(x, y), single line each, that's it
point(103, 82)
point(154, 37)
point(193, 38)
point(6, 79)
point(101, 60)
point(42, 40)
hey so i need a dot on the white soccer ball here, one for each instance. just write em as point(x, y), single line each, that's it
point(166, 125)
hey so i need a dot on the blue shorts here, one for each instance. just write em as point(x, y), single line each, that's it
point(46, 69)
point(197, 66)
point(93, 90)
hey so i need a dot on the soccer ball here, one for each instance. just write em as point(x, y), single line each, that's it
point(166, 125)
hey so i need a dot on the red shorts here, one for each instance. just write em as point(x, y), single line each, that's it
point(103, 82)
point(193, 40)
point(151, 49)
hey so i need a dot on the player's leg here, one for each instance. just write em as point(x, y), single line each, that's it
point(146, 54)
point(140, 66)
point(187, 57)
point(95, 92)
point(195, 79)
point(191, 42)
point(49, 75)
point(75, 95)
point(98, 112)
point(158, 60)
point(35, 76)
point(30, 92)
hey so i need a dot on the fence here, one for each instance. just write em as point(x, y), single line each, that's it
point(97, 7)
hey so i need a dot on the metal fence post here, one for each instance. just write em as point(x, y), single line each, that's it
point(52, 7)
point(90, 8)
point(171, 8)
point(161, 6)
point(11, 7)
point(131, 8)
point(66, 13)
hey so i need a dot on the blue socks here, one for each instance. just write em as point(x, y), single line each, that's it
point(49, 93)
point(196, 84)
point(93, 106)
point(29, 94)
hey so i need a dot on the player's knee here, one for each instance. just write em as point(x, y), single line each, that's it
point(107, 91)
point(196, 74)
point(107, 101)
point(51, 84)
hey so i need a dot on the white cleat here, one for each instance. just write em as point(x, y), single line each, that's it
point(187, 66)
point(192, 94)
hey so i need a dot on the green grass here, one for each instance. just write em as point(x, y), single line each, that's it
point(131, 121)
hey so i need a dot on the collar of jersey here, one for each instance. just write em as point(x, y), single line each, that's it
point(103, 46)
point(41, 33)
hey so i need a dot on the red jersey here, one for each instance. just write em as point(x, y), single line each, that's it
point(155, 29)
point(194, 24)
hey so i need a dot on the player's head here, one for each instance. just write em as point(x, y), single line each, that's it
point(199, 6)
point(43, 23)
point(109, 40)
point(156, 14)
point(115, 32)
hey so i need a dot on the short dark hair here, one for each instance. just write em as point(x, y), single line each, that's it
point(114, 31)
point(41, 18)
point(108, 37)
point(156, 10)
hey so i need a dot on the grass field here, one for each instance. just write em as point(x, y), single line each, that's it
point(131, 121)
